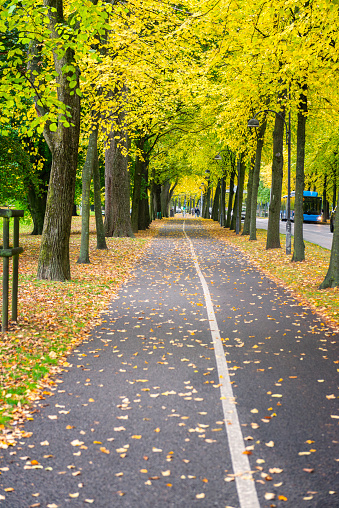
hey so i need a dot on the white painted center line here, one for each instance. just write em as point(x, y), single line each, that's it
point(248, 497)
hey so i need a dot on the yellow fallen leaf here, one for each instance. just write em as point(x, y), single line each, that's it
point(104, 450)
point(143, 471)
point(44, 443)
point(136, 437)
point(166, 473)
point(200, 496)
point(270, 444)
point(76, 494)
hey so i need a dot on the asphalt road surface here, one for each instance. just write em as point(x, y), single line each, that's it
point(315, 233)
point(206, 385)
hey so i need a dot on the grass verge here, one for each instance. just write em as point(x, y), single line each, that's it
point(53, 317)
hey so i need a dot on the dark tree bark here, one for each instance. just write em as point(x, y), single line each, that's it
point(230, 200)
point(157, 199)
point(298, 245)
point(101, 240)
point(166, 196)
point(144, 217)
point(256, 179)
point(54, 251)
point(206, 202)
point(37, 192)
point(216, 203)
point(273, 231)
point(86, 188)
point(247, 222)
point(117, 199)
point(332, 277)
point(240, 192)
point(136, 199)
point(37, 206)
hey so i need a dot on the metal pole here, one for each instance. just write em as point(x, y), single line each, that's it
point(5, 279)
point(15, 271)
point(237, 223)
point(288, 222)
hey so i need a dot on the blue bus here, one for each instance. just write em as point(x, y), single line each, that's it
point(311, 207)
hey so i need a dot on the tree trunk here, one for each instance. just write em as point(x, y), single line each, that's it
point(86, 188)
point(256, 179)
point(238, 195)
point(157, 199)
point(273, 231)
point(166, 196)
point(144, 218)
point(216, 201)
point(230, 200)
point(37, 207)
point(101, 240)
point(138, 169)
point(117, 199)
point(206, 202)
point(54, 261)
point(332, 277)
point(298, 244)
point(247, 222)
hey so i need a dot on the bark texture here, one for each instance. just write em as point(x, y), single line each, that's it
point(273, 231)
point(247, 222)
point(332, 277)
point(117, 199)
point(230, 200)
point(101, 240)
point(298, 244)
point(216, 203)
point(86, 187)
point(256, 179)
point(54, 251)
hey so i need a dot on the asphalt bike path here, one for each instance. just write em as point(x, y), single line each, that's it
point(205, 385)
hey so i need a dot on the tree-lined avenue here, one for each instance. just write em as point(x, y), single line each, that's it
point(136, 419)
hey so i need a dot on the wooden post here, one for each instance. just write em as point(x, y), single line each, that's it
point(15, 279)
point(5, 278)
point(6, 252)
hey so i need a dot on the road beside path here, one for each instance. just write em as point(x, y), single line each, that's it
point(144, 415)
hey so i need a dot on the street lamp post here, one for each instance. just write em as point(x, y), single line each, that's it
point(254, 123)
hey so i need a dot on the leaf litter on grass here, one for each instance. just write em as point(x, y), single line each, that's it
point(53, 317)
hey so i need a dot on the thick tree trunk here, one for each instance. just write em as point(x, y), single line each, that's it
point(157, 199)
point(117, 202)
point(101, 240)
point(230, 200)
point(332, 277)
point(240, 193)
point(136, 194)
point(166, 196)
point(298, 244)
point(54, 250)
point(247, 222)
point(256, 179)
point(144, 218)
point(37, 207)
point(86, 188)
point(206, 202)
point(273, 231)
point(216, 202)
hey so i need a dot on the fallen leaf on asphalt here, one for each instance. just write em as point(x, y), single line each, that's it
point(270, 444)
point(166, 473)
point(308, 470)
point(76, 494)
point(156, 449)
point(269, 496)
point(200, 496)
point(76, 442)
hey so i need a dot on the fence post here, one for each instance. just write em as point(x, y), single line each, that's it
point(5, 276)
point(6, 252)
